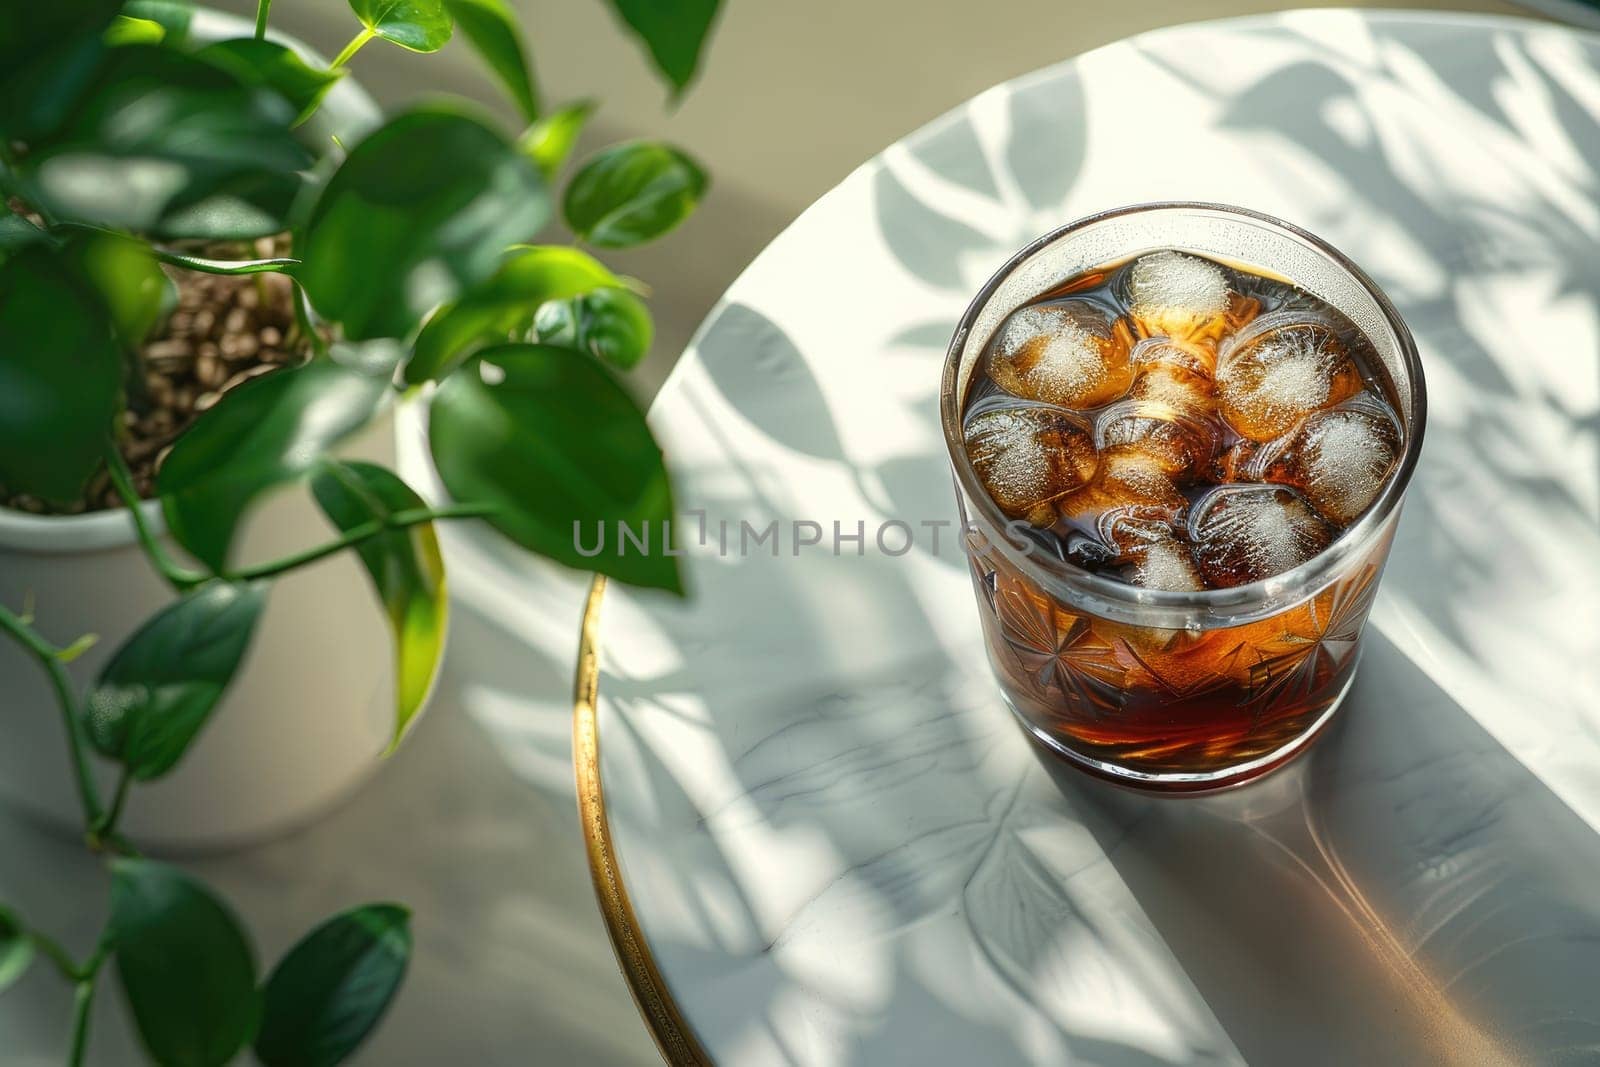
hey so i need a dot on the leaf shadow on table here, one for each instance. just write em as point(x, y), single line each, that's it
point(1467, 217)
point(874, 836)
point(901, 803)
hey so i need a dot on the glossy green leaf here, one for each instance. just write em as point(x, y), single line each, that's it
point(60, 377)
point(328, 993)
point(185, 966)
point(161, 687)
point(631, 193)
point(48, 53)
point(224, 266)
point(16, 949)
point(273, 66)
point(420, 25)
point(174, 16)
point(406, 570)
point(419, 212)
point(267, 431)
point(165, 143)
point(130, 281)
point(125, 29)
point(506, 430)
point(674, 31)
point(610, 324)
point(550, 141)
point(504, 305)
point(492, 28)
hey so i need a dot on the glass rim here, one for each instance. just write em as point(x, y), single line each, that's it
point(1064, 578)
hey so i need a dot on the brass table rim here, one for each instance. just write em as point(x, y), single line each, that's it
point(667, 1024)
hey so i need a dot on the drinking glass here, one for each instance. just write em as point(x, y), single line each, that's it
point(1178, 691)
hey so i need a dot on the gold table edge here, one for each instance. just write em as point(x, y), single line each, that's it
point(665, 1020)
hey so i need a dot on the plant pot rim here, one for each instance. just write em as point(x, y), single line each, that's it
point(86, 532)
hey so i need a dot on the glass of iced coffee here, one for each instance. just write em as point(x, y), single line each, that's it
point(1180, 435)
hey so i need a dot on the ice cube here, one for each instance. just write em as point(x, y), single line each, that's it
point(1071, 354)
point(1166, 563)
point(1341, 458)
point(1028, 456)
point(1128, 491)
point(1277, 372)
point(1243, 533)
point(1183, 297)
point(1168, 416)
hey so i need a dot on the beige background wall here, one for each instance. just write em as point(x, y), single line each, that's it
point(791, 97)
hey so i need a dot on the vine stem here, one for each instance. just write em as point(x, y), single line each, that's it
point(47, 655)
point(262, 7)
point(302, 318)
point(108, 822)
point(180, 578)
point(352, 48)
point(82, 1003)
point(357, 534)
point(57, 955)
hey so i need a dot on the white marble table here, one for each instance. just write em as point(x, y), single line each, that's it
point(837, 846)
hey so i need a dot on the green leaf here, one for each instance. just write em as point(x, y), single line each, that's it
point(406, 569)
point(675, 31)
point(185, 966)
point(267, 431)
point(16, 949)
point(128, 278)
point(225, 266)
point(173, 15)
point(83, 644)
point(17, 233)
point(272, 66)
point(60, 378)
point(419, 212)
point(611, 324)
point(631, 193)
point(547, 437)
point(419, 25)
point(503, 305)
point(125, 29)
point(48, 53)
point(492, 29)
point(328, 993)
point(549, 141)
point(160, 688)
point(164, 143)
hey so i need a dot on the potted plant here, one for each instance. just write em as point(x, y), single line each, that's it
point(220, 269)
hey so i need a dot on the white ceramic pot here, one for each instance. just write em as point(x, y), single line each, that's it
point(309, 712)
point(302, 725)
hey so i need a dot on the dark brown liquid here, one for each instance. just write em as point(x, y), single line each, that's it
point(1213, 475)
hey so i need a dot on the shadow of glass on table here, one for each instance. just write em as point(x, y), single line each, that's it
point(1407, 892)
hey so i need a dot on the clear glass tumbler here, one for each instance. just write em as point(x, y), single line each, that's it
point(1178, 691)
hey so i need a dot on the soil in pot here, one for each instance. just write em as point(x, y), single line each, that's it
point(224, 330)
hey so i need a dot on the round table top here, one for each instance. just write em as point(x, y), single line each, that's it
point(822, 840)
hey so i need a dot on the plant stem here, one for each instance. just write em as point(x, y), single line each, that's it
point(180, 578)
point(356, 535)
point(82, 1002)
point(262, 7)
point(108, 822)
point(302, 319)
point(351, 49)
point(46, 653)
point(52, 950)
